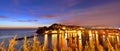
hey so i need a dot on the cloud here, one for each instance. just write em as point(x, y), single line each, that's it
point(69, 3)
point(17, 2)
point(108, 14)
point(49, 16)
point(27, 21)
point(52, 6)
point(3, 17)
point(65, 4)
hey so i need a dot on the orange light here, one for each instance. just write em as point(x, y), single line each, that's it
point(63, 28)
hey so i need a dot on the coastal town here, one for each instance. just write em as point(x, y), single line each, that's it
point(76, 36)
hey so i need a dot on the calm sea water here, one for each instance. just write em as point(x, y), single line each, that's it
point(7, 34)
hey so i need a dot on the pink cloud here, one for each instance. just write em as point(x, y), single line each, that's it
point(63, 4)
point(16, 1)
point(3, 17)
point(70, 3)
point(108, 14)
point(50, 16)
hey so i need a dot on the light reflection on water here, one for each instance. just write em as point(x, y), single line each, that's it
point(54, 40)
point(75, 39)
point(63, 40)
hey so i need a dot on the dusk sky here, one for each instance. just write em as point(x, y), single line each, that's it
point(36, 13)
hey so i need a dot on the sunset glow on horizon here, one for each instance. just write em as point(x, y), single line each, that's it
point(37, 13)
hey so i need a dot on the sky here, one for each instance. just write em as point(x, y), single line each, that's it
point(37, 13)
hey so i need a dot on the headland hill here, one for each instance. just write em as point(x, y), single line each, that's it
point(55, 28)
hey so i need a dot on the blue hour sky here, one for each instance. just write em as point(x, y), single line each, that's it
point(35, 13)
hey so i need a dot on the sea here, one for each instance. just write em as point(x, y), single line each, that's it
point(7, 34)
